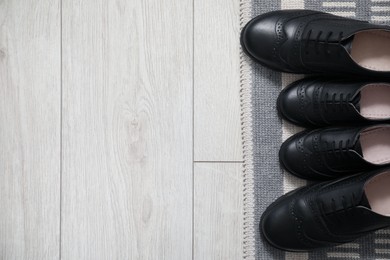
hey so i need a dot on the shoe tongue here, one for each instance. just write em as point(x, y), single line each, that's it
point(347, 43)
point(364, 201)
point(358, 147)
point(356, 102)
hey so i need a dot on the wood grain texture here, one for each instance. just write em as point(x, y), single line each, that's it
point(127, 136)
point(217, 211)
point(217, 81)
point(30, 84)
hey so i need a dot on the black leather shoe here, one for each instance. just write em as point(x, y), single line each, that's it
point(314, 102)
point(335, 152)
point(330, 213)
point(304, 41)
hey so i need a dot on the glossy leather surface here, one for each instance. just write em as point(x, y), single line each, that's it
point(324, 154)
point(317, 102)
point(322, 215)
point(305, 41)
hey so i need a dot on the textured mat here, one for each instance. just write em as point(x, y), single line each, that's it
point(263, 132)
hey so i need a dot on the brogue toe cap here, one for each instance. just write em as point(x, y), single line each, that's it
point(292, 156)
point(259, 40)
point(291, 106)
point(281, 228)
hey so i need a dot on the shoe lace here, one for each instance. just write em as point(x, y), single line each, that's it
point(317, 41)
point(336, 101)
point(339, 149)
point(329, 206)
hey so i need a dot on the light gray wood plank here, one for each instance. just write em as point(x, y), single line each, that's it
point(217, 81)
point(30, 95)
point(127, 136)
point(218, 211)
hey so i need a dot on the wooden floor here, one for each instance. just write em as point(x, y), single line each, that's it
point(120, 129)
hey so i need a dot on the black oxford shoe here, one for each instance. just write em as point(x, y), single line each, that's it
point(329, 213)
point(315, 102)
point(328, 153)
point(304, 41)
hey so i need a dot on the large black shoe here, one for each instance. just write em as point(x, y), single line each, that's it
point(336, 152)
point(329, 213)
point(315, 102)
point(304, 41)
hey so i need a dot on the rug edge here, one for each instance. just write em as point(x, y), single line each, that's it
point(248, 247)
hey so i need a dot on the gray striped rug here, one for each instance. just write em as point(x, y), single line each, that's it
point(263, 132)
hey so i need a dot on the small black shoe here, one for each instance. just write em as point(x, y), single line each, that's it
point(330, 153)
point(329, 213)
point(314, 102)
point(304, 41)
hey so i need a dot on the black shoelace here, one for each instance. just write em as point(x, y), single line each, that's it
point(317, 41)
point(331, 205)
point(340, 149)
point(337, 102)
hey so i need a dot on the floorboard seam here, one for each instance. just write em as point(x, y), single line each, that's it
point(61, 136)
point(218, 161)
point(193, 129)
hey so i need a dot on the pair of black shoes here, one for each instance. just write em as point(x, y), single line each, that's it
point(354, 158)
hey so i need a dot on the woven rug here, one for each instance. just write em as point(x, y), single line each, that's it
point(263, 132)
